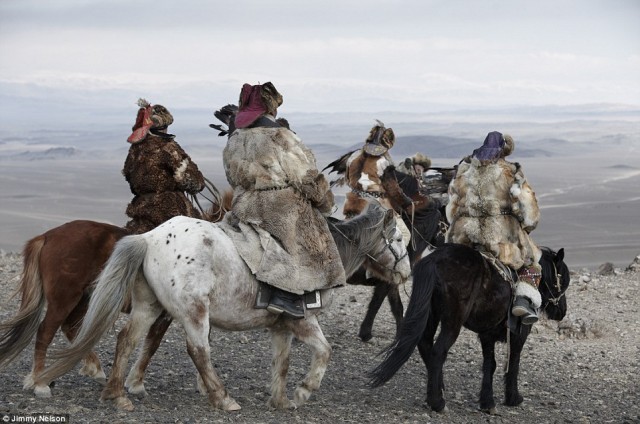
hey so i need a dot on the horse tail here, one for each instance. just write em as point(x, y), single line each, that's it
point(112, 289)
point(413, 324)
point(17, 332)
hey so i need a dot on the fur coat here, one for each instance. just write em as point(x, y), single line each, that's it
point(281, 197)
point(363, 174)
point(159, 173)
point(492, 206)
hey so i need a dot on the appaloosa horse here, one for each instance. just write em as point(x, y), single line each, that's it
point(58, 269)
point(455, 286)
point(191, 269)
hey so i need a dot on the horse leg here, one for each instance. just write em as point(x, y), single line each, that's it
point(281, 348)
point(380, 291)
point(56, 313)
point(487, 402)
point(308, 331)
point(196, 327)
point(46, 331)
point(512, 395)
point(426, 343)
point(395, 302)
point(145, 310)
point(437, 356)
point(135, 380)
point(91, 364)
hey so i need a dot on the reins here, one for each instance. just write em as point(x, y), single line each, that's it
point(555, 300)
point(216, 199)
point(388, 244)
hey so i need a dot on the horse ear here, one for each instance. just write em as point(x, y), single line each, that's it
point(560, 255)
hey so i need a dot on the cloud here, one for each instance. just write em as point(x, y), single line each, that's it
point(344, 53)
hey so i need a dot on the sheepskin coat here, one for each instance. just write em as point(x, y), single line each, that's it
point(363, 174)
point(159, 173)
point(492, 206)
point(280, 195)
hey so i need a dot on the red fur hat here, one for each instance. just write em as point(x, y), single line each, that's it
point(255, 101)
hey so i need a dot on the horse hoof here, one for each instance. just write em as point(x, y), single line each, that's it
point(442, 410)
point(365, 337)
point(230, 405)
point(201, 387)
point(137, 389)
point(101, 378)
point(124, 404)
point(283, 404)
point(42, 391)
point(28, 383)
point(301, 395)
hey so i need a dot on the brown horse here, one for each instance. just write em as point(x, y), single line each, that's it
point(59, 268)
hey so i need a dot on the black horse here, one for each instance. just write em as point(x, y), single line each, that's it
point(425, 219)
point(456, 286)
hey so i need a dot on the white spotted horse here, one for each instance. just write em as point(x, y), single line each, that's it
point(191, 269)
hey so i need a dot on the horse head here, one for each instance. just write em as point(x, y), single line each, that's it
point(372, 239)
point(391, 260)
point(554, 284)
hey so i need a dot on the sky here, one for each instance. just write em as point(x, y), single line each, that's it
point(323, 56)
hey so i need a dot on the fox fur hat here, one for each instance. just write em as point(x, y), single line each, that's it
point(495, 146)
point(255, 101)
point(149, 117)
point(380, 140)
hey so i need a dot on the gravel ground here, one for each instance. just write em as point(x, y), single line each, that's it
point(581, 370)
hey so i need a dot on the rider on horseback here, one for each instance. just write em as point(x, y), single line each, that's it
point(363, 173)
point(280, 195)
point(415, 166)
point(159, 172)
point(493, 208)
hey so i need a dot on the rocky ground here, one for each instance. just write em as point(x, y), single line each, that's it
point(581, 370)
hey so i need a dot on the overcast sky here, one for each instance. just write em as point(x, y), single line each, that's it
point(330, 53)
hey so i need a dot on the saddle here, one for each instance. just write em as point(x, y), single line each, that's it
point(271, 264)
point(513, 323)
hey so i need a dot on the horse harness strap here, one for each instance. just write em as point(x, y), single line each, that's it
point(374, 194)
point(501, 268)
point(388, 245)
point(555, 300)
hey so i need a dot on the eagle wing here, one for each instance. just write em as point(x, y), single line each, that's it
point(339, 166)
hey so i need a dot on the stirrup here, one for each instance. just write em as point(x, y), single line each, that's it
point(522, 308)
point(288, 304)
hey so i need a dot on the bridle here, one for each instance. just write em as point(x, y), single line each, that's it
point(555, 300)
point(388, 241)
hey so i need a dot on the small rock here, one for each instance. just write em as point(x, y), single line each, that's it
point(606, 268)
point(584, 278)
point(635, 265)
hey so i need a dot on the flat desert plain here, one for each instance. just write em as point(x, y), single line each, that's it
point(590, 203)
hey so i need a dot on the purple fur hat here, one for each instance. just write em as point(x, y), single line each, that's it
point(492, 148)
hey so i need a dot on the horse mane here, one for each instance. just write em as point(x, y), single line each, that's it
point(358, 236)
point(216, 212)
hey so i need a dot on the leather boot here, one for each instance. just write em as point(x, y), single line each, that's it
point(527, 297)
point(288, 304)
point(523, 308)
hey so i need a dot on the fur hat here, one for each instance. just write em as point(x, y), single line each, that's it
point(156, 117)
point(380, 140)
point(255, 101)
point(495, 146)
point(420, 159)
